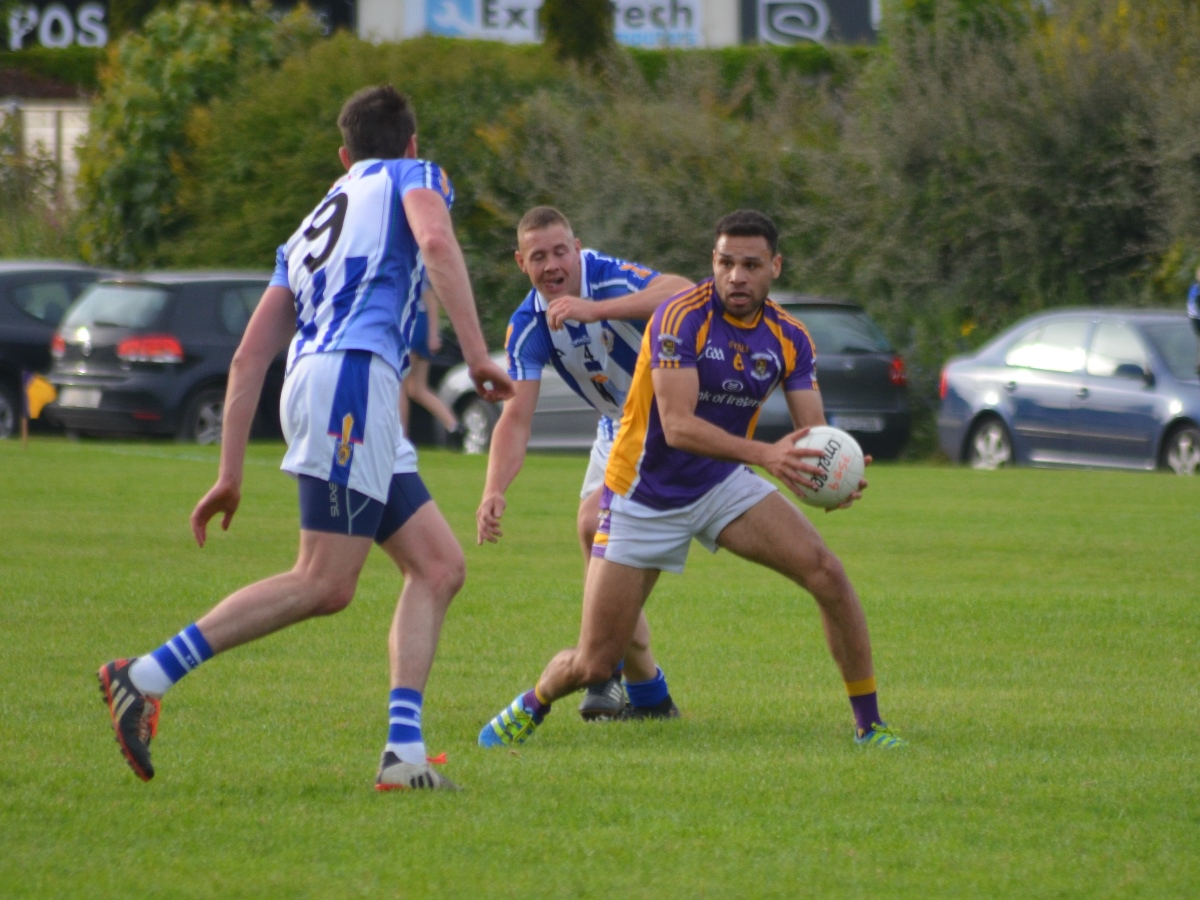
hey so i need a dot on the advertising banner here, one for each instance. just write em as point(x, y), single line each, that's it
point(651, 23)
point(795, 21)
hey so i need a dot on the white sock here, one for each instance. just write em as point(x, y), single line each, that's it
point(148, 676)
point(413, 753)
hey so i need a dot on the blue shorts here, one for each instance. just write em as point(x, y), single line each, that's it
point(419, 342)
point(336, 508)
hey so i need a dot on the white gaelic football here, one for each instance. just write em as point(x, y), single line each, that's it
point(841, 464)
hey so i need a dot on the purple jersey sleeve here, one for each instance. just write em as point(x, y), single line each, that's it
point(803, 374)
point(673, 331)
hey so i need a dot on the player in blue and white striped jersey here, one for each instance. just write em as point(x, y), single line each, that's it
point(585, 317)
point(343, 296)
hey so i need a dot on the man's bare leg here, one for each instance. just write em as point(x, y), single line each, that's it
point(612, 603)
point(777, 535)
point(321, 583)
point(639, 660)
point(427, 553)
point(613, 599)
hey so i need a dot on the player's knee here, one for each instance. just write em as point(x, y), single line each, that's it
point(450, 574)
point(334, 597)
point(826, 577)
point(443, 571)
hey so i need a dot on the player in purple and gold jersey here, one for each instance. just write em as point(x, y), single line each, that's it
point(679, 470)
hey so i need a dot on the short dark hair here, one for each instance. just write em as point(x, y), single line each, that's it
point(749, 223)
point(541, 217)
point(377, 123)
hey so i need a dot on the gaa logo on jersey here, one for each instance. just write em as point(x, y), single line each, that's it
point(668, 348)
point(761, 366)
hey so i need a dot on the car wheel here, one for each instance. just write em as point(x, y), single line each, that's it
point(989, 446)
point(10, 411)
point(1181, 452)
point(477, 419)
point(201, 423)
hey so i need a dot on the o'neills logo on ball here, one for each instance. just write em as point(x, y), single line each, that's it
point(668, 348)
point(828, 469)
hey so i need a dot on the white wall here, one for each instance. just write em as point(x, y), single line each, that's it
point(53, 128)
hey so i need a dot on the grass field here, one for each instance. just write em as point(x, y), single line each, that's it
point(1037, 638)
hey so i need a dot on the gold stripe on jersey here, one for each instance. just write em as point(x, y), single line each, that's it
point(792, 320)
point(785, 344)
point(676, 309)
point(625, 458)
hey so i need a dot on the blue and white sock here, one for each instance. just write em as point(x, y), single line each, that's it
point(404, 726)
point(648, 693)
point(156, 672)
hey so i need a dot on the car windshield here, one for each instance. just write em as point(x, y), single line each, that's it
point(117, 305)
point(1176, 344)
point(841, 330)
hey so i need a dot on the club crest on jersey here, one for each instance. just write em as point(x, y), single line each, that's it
point(761, 366)
point(606, 338)
point(668, 348)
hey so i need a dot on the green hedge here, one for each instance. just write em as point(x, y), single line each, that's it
point(76, 66)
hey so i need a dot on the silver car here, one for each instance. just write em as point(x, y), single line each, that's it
point(863, 385)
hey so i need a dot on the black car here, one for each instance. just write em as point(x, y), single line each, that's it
point(151, 354)
point(33, 297)
point(863, 381)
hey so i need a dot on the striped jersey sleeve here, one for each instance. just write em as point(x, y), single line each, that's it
point(525, 344)
point(609, 277)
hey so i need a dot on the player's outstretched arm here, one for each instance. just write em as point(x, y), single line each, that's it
point(431, 226)
point(510, 438)
point(638, 305)
point(268, 333)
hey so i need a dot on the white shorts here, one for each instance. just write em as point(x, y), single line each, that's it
point(340, 414)
point(636, 535)
point(593, 478)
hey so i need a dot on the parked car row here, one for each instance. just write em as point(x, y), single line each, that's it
point(33, 298)
point(150, 354)
point(863, 384)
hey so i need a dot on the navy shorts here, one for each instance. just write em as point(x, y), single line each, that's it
point(328, 506)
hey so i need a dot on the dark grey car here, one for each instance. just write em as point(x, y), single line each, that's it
point(34, 295)
point(862, 380)
point(150, 355)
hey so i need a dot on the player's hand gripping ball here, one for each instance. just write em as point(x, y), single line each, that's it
point(841, 464)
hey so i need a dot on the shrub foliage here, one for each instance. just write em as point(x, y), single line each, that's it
point(985, 160)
